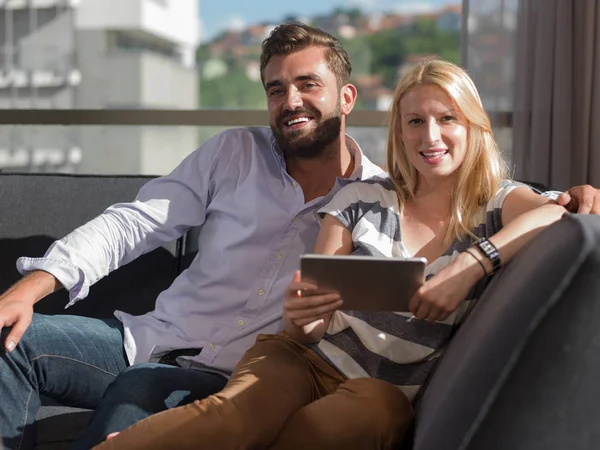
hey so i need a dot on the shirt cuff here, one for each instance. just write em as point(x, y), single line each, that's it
point(552, 195)
point(70, 276)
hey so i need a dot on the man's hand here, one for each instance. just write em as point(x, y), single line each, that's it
point(581, 199)
point(16, 304)
point(15, 312)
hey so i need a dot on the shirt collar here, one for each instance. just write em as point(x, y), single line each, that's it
point(363, 167)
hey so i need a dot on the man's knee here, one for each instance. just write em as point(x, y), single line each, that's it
point(139, 378)
point(276, 348)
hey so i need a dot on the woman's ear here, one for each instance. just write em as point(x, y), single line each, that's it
point(348, 98)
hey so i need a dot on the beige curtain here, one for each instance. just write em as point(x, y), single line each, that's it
point(556, 119)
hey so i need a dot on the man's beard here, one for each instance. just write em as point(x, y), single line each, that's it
point(300, 144)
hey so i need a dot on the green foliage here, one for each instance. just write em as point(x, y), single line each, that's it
point(202, 53)
point(360, 53)
point(381, 53)
point(232, 91)
point(390, 48)
point(389, 52)
point(426, 38)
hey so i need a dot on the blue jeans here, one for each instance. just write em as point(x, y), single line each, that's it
point(74, 360)
point(71, 359)
point(142, 390)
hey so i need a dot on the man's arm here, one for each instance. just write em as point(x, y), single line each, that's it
point(162, 211)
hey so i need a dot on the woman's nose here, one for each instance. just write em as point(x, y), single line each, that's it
point(431, 133)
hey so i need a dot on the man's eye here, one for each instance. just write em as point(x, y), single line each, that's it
point(275, 92)
point(310, 85)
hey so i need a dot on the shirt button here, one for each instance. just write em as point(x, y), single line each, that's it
point(212, 346)
point(294, 219)
point(261, 292)
point(241, 323)
point(294, 184)
point(277, 255)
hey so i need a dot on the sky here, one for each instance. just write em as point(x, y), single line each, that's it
point(219, 15)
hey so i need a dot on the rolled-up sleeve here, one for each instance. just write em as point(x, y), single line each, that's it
point(164, 209)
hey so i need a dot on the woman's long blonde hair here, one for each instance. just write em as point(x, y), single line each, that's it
point(482, 169)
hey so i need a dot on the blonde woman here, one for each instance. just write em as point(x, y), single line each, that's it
point(330, 381)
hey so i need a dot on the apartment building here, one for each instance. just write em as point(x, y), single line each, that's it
point(97, 54)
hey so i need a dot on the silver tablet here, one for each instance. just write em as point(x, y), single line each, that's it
point(366, 283)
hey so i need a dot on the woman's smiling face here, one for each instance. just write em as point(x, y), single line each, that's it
point(434, 133)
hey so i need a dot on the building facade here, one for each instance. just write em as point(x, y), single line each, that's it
point(97, 54)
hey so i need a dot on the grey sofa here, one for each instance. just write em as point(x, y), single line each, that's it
point(521, 373)
point(36, 209)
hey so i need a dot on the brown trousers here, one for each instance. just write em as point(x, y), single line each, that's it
point(281, 396)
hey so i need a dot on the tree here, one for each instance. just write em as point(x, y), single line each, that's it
point(389, 52)
point(232, 91)
point(360, 53)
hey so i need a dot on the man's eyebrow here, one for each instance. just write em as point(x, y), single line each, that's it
point(270, 84)
point(308, 77)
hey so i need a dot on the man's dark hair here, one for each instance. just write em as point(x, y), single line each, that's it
point(292, 37)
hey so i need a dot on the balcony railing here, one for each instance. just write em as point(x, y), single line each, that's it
point(201, 117)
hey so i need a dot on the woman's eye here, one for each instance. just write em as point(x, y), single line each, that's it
point(447, 118)
point(414, 121)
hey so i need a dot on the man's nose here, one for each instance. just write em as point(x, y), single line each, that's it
point(293, 99)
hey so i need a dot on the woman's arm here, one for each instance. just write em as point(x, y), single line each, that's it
point(306, 309)
point(524, 215)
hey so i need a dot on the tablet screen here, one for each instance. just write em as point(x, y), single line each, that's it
point(366, 283)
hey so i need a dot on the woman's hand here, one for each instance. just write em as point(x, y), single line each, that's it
point(443, 293)
point(307, 309)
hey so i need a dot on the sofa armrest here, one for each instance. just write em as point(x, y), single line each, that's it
point(507, 378)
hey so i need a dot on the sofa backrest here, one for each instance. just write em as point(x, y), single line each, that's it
point(36, 209)
point(522, 372)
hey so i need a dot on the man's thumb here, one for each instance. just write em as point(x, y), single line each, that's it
point(564, 198)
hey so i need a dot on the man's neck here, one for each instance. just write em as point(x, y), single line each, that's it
point(317, 176)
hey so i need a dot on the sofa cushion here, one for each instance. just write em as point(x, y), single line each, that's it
point(509, 378)
point(36, 209)
point(58, 426)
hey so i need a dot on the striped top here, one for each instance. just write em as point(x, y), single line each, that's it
point(385, 345)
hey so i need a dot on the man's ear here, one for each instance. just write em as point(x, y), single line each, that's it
point(348, 98)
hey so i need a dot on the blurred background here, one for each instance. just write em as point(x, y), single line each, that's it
point(133, 86)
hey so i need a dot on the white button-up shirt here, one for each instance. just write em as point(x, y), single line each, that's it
point(254, 226)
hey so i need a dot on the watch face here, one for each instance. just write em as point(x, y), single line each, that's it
point(487, 247)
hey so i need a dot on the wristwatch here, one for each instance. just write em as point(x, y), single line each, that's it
point(490, 251)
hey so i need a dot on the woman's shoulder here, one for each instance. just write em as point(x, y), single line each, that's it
point(379, 185)
point(505, 187)
point(360, 196)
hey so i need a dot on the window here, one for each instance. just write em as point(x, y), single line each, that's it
point(73, 55)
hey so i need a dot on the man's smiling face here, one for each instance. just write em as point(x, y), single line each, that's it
point(304, 102)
